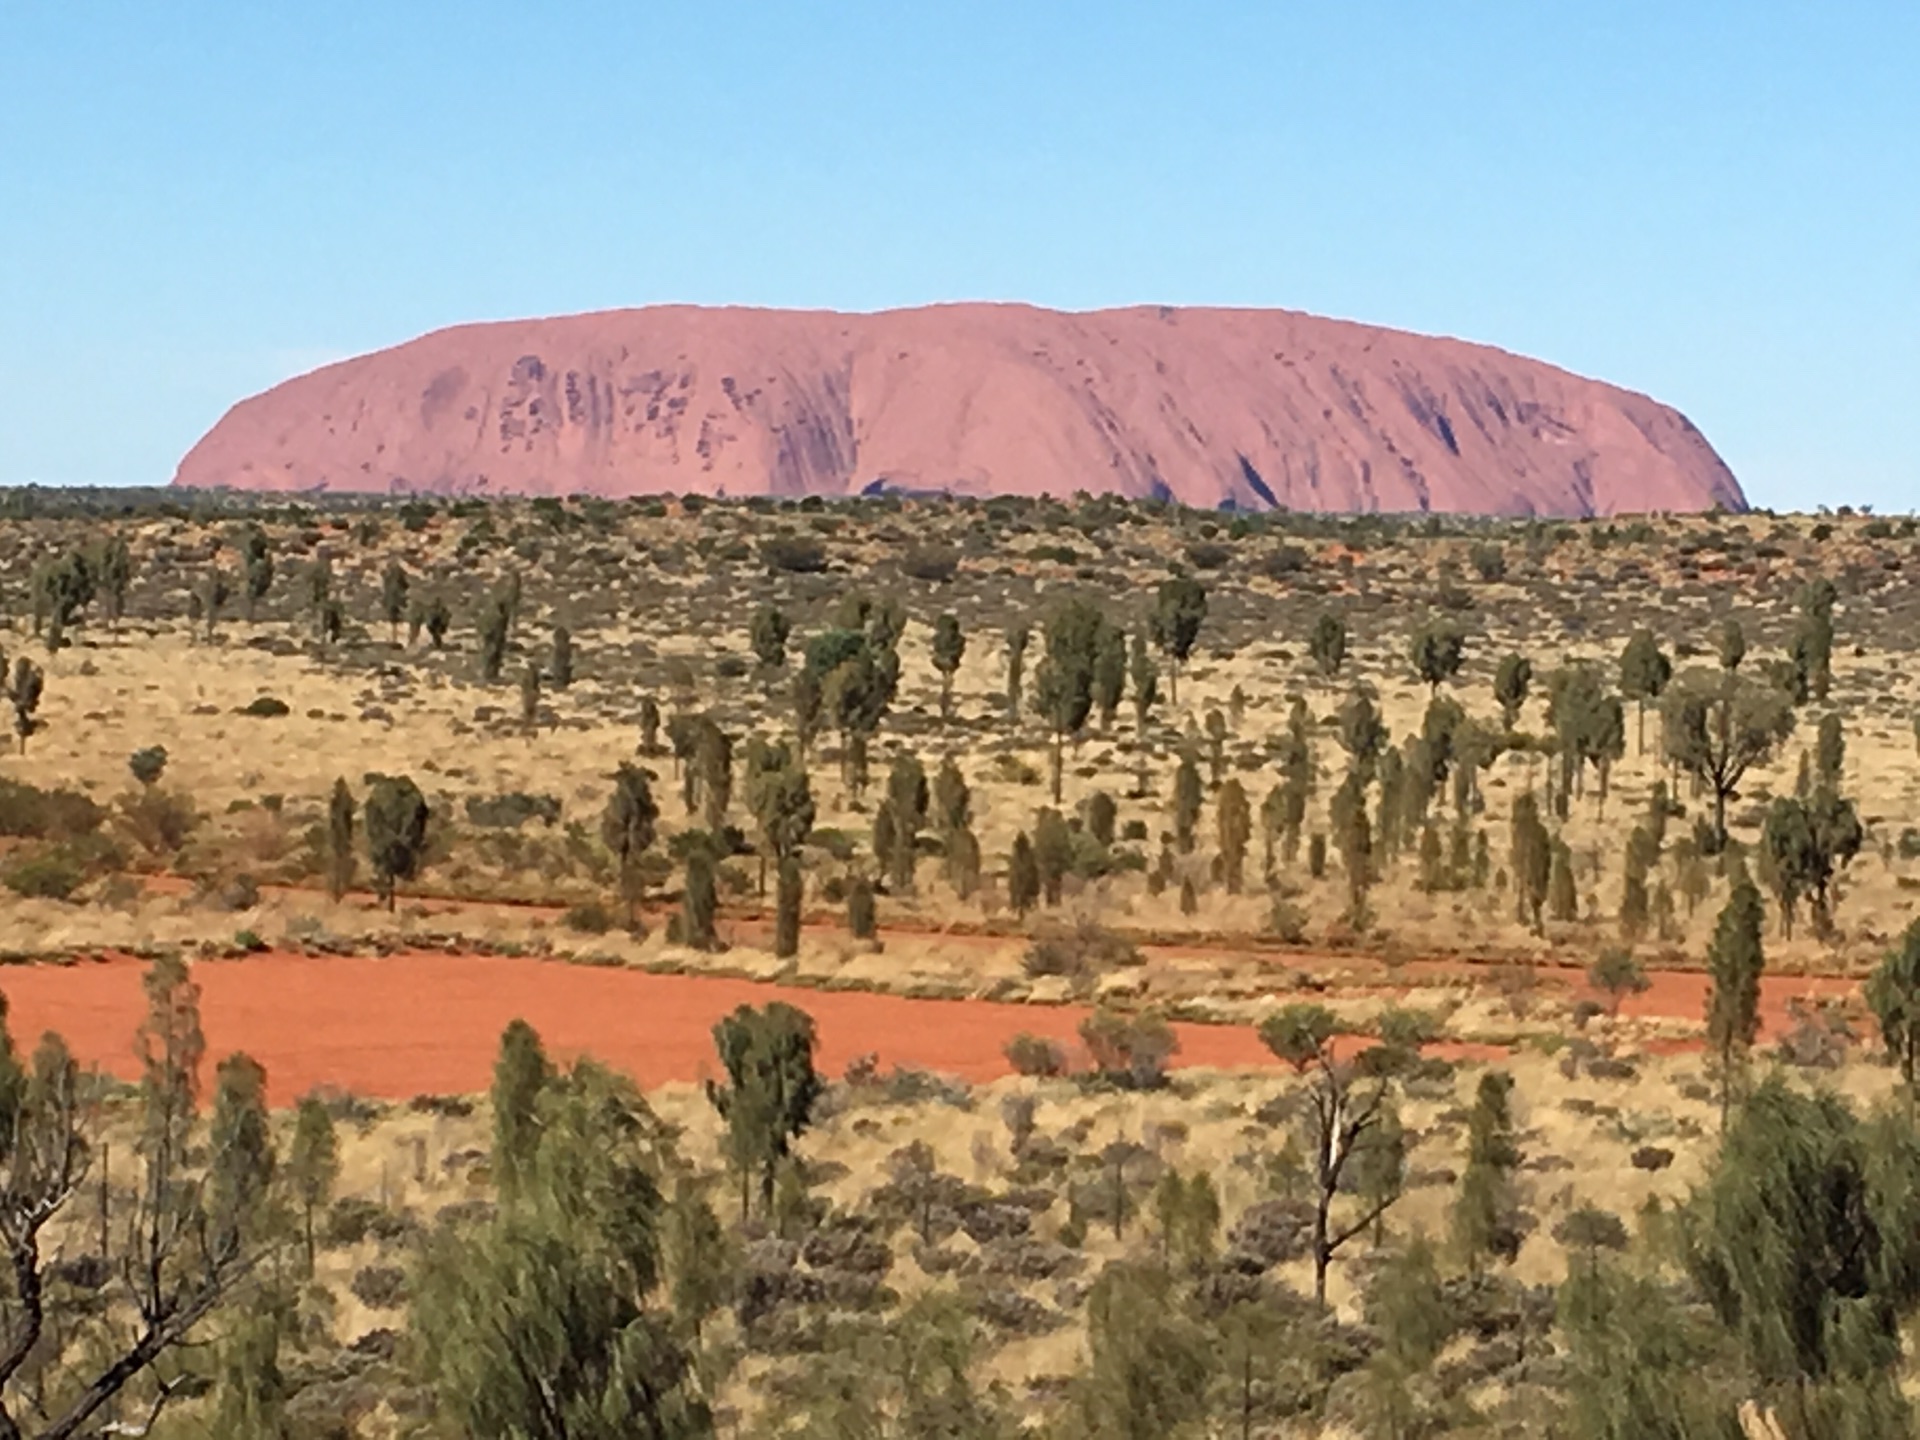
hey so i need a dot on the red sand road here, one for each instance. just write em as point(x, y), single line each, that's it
point(399, 1026)
point(430, 1023)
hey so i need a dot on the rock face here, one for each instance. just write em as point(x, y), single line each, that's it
point(1250, 408)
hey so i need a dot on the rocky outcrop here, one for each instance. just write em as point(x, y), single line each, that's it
point(1250, 408)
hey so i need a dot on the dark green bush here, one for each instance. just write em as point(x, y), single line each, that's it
point(52, 873)
point(511, 810)
point(30, 813)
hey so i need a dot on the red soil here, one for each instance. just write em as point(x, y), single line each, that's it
point(430, 1023)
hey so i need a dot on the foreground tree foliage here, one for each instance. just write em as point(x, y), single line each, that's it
point(770, 1092)
point(549, 1322)
point(1347, 1110)
point(184, 1238)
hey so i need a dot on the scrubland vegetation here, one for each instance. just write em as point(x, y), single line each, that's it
point(1447, 812)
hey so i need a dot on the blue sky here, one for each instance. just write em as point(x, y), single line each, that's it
point(1716, 203)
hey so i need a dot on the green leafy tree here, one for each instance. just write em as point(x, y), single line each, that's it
point(241, 1157)
point(1640, 1363)
point(768, 636)
point(1733, 646)
point(713, 768)
point(1511, 682)
point(1216, 747)
point(771, 1090)
point(256, 570)
point(439, 619)
point(1187, 795)
point(699, 901)
point(1234, 818)
point(146, 764)
point(1023, 876)
point(858, 673)
point(1187, 1214)
point(1617, 974)
point(1063, 689)
point(313, 1164)
point(1531, 859)
point(1353, 837)
point(29, 683)
point(1328, 643)
point(1830, 753)
point(1644, 673)
point(1813, 636)
point(1017, 638)
point(394, 588)
point(250, 1390)
point(496, 623)
point(1437, 650)
point(862, 922)
point(1806, 841)
point(1589, 728)
point(1109, 672)
point(114, 565)
point(396, 826)
point(340, 818)
point(1145, 676)
point(1563, 901)
point(809, 702)
point(1893, 994)
point(1296, 765)
point(1643, 853)
point(1148, 1364)
point(901, 817)
point(789, 893)
point(781, 800)
point(546, 1323)
point(521, 1074)
point(1487, 1221)
point(211, 598)
point(949, 648)
point(1803, 1244)
point(1052, 853)
point(185, 1232)
point(1343, 1109)
point(1717, 728)
point(627, 828)
point(319, 588)
point(649, 719)
point(529, 699)
point(1734, 963)
point(952, 800)
point(1179, 610)
point(1363, 734)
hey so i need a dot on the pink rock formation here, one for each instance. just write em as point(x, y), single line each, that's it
point(1255, 408)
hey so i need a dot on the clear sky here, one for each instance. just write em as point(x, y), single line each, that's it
point(1713, 201)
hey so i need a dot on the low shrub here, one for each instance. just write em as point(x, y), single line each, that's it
point(794, 554)
point(511, 810)
point(931, 562)
point(1035, 1056)
point(1129, 1050)
point(589, 917)
point(380, 1287)
point(30, 813)
point(353, 1218)
point(265, 707)
point(1078, 952)
point(50, 873)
